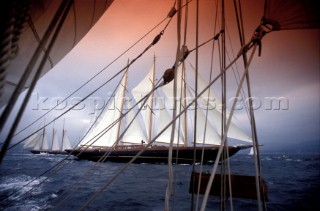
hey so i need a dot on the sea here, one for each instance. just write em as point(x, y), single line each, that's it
point(58, 182)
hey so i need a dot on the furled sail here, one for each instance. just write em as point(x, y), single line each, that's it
point(292, 14)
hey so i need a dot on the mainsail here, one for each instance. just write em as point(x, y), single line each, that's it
point(156, 113)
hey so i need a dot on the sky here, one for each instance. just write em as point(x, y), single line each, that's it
point(288, 69)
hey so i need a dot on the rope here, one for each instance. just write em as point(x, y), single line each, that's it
point(170, 173)
point(196, 102)
point(170, 15)
point(259, 186)
point(35, 78)
point(207, 111)
point(153, 140)
point(213, 172)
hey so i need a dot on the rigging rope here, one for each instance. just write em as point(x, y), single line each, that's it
point(36, 76)
point(170, 15)
point(259, 186)
point(154, 139)
point(88, 81)
point(170, 174)
point(214, 168)
point(207, 109)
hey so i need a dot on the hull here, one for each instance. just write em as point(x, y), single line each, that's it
point(49, 152)
point(181, 155)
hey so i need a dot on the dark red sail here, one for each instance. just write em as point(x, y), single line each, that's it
point(292, 14)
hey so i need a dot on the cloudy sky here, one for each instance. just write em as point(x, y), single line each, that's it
point(288, 69)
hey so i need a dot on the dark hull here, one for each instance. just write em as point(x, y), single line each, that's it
point(184, 155)
point(49, 152)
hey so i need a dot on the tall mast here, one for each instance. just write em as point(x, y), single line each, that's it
point(122, 103)
point(152, 96)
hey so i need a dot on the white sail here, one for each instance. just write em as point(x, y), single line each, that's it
point(162, 119)
point(211, 97)
point(45, 143)
point(134, 134)
point(213, 103)
point(32, 141)
point(138, 92)
point(206, 133)
point(157, 113)
point(55, 141)
point(185, 127)
point(65, 141)
point(106, 131)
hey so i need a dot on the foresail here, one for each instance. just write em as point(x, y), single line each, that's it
point(32, 141)
point(106, 132)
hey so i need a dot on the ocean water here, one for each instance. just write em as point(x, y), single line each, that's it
point(293, 182)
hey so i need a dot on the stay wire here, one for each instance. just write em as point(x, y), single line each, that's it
point(35, 78)
point(259, 186)
point(209, 90)
point(214, 168)
point(60, 162)
point(170, 173)
point(155, 40)
point(153, 43)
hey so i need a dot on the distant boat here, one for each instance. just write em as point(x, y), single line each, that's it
point(153, 118)
point(38, 143)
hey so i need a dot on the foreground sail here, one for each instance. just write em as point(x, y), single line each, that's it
point(118, 137)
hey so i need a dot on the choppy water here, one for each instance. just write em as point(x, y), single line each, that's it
point(293, 181)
